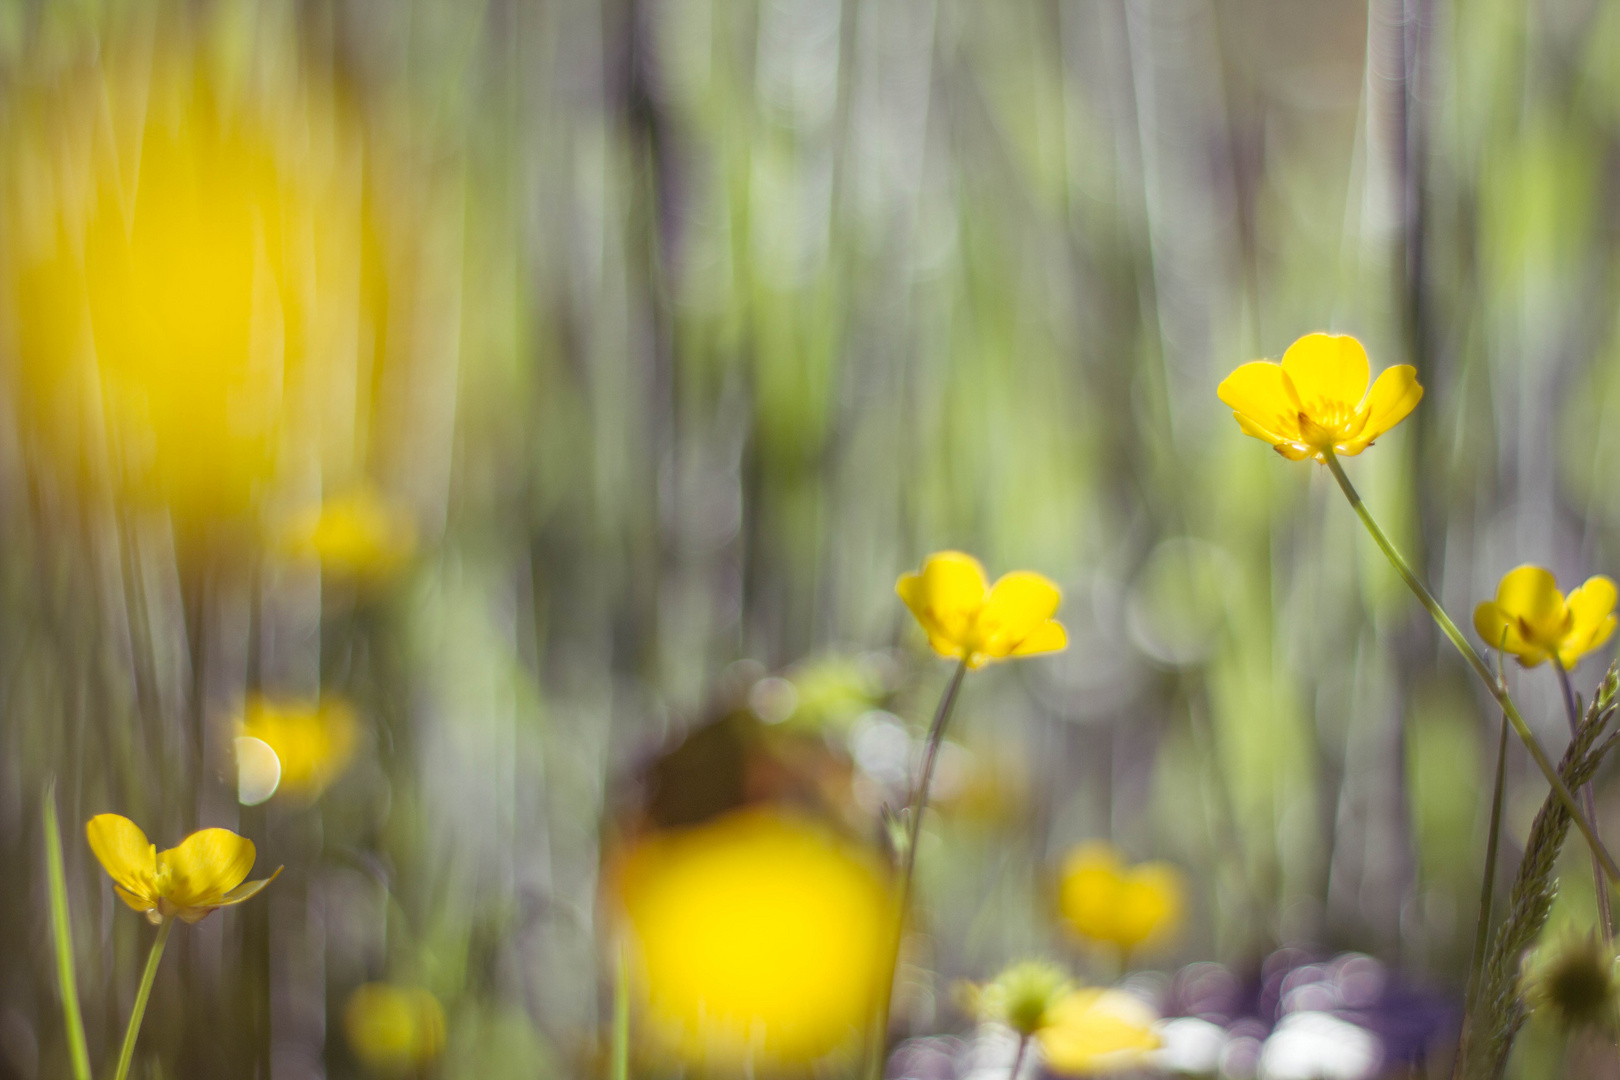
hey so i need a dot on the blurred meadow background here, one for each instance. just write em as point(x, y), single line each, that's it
point(449, 443)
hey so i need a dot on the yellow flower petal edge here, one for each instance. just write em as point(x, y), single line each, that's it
point(1531, 620)
point(967, 618)
point(204, 872)
point(1317, 400)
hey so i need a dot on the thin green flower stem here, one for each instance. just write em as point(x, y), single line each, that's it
point(62, 931)
point(1018, 1058)
point(1572, 709)
point(127, 1054)
point(1522, 729)
point(916, 803)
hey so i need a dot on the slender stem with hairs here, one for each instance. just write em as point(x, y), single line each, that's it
point(127, 1054)
point(1449, 628)
point(1572, 709)
point(916, 803)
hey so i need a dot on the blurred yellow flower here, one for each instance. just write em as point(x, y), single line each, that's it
point(1573, 977)
point(393, 1029)
point(964, 616)
point(1091, 1031)
point(1532, 620)
point(356, 535)
point(313, 743)
point(757, 938)
point(1317, 400)
point(204, 872)
point(184, 255)
point(1108, 901)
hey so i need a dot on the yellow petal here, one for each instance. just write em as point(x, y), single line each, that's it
point(248, 889)
point(207, 865)
point(1261, 397)
point(124, 852)
point(1394, 394)
point(1088, 894)
point(1019, 605)
point(1149, 904)
point(1591, 609)
point(1329, 373)
point(1092, 1030)
point(1048, 637)
point(139, 903)
point(946, 598)
point(1499, 630)
point(1529, 596)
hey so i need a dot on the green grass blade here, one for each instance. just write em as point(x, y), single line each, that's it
point(621, 1019)
point(62, 931)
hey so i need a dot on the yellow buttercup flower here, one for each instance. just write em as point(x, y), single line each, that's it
point(356, 535)
point(1023, 996)
point(1532, 620)
point(313, 743)
point(965, 616)
point(758, 939)
point(1108, 901)
point(393, 1029)
point(204, 872)
point(1317, 400)
point(1091, 1031)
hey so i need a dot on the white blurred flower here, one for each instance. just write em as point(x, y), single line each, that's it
point(1190, 1045)
point(1319, 1046)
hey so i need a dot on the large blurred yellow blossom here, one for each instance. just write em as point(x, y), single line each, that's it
point(313, 743)
point(1317, 400)
point(965, 616)
point(1091, 1031)
point(757, 938)
point(185, 244)
point(393, 1029)
point(355, 535)
point(1106, 900)
point(204, 872)
point(1532, 620)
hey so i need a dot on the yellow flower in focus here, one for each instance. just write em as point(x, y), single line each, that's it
point(1108, 901)
point(393, 1029)
point(313, 743)
point(204, 872)
point(964, 616)
point(357, 535)
point(757, 938)
point(1532, 620)
point(1317, 400)
point(1091, 1031)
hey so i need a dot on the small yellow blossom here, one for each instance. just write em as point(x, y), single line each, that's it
point(313, 743)
point(1091, 1031)
point(1532, 620)
point(393, 1029)
point(1317, 400)
point(964, 616)
point(204, 872)
point(1108, 901)
point(758, 939)
point(355, 535)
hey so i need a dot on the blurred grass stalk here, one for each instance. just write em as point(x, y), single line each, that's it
point(62, 932)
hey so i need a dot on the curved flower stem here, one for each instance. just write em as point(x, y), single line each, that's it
point(916, 803)
point(127, 1054)
point(1018, 1058)
point(1572, 709)
point(1599, 852)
